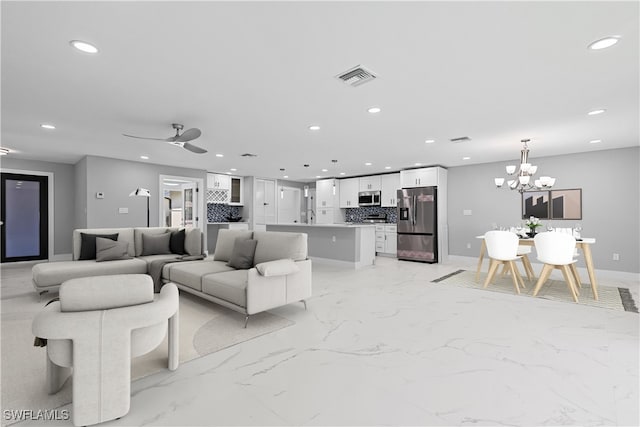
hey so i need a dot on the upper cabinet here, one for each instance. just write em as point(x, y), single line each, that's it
point(327, 193)
point(370, 183)
point(224, 189)
point(389, 185)
point(425, 177)
point(349, 188)
point(217, 181)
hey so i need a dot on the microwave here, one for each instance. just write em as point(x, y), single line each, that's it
point(369, 198)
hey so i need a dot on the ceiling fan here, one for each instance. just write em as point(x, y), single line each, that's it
point(180, 139)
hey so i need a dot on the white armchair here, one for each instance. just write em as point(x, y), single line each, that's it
point(98, 325)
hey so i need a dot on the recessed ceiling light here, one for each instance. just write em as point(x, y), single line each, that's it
point(604, 43)
point(172, 184)
point(4, 151)
point(466, 158)
point(83, 46)
point(144, 157)
point(219, 155)
point(430, 141)
point(417, 164)
point(596, 112)
point(314, 127)
point(318, 176)
point(47, 126)
point(374, 110)
point(233, 169)
point(228, 173)
point(342, 173)
point(387, 167)
point(595, 141)
point(325, 170)
point(367, 164)
point(286, 176)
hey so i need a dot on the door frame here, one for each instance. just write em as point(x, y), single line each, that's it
point(49, 175)
point(201, 213)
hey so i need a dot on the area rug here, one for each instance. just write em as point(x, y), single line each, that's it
point(205, 328)
point(556, 290)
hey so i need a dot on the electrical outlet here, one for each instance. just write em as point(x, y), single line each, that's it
point(468, 245)
point(333, 238)
point(616, 257)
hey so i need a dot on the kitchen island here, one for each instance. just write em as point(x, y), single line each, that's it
point(348, 244)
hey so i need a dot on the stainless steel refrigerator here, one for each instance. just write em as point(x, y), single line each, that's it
point(418, 224)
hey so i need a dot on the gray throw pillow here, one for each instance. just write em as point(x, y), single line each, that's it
point(110, 250)
point(156, 244)
point(242, 254)
point(88, 244)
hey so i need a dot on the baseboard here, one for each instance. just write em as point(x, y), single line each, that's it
point(338, 263)
point(62, 257)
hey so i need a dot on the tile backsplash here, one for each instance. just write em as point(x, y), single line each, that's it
point(219, 213)
point(359, 214)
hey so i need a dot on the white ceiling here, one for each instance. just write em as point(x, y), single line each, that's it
point(253, 76)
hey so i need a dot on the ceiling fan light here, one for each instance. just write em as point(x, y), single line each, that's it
point(511, 169)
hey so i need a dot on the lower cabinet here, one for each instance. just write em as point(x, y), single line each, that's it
point(386, 240)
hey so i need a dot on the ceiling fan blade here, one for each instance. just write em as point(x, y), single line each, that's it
point(189, 134)
point(193, 148)
point(154, 139)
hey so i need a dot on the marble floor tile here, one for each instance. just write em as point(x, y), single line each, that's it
point(385, 346)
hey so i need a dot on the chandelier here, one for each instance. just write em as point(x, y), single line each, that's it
point(523, 180)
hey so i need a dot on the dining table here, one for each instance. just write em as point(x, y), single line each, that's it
point(583, 244)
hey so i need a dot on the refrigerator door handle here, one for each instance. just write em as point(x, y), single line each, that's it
point(415, 210)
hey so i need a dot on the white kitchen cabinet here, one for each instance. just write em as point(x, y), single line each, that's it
point(370, 183)
point(386, 239)
point(349, 192)
point(327, 193)
point(216, 181)
point(424, 177)
point(389, 184)
point(324, 215)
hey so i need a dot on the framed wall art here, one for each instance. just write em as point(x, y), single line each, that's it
point(535, 203)
point(566, 204)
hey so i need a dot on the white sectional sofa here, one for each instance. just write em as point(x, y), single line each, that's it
point(280, 272)
point(49, 276)
point(277, 272)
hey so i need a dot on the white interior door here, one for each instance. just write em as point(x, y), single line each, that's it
point(265, 206)
point(289, 205)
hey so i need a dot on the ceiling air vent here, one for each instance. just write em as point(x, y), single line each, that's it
point(460, 139)
point(357, 76)
point(248, 155)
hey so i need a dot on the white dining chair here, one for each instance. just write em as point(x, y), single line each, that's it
point(523, 252)
point(502, 249)
point(555, 250)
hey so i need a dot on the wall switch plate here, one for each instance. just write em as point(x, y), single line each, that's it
point(468, 245)
point(616, 257)
point(333, 238)
point(467, 212)
point(99, 195)
point(123, 210)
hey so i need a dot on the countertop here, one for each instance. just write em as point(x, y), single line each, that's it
point(345, 225)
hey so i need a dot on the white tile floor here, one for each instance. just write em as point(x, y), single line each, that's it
point(384, 346)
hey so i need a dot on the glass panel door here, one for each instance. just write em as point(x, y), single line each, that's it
point(25, 214)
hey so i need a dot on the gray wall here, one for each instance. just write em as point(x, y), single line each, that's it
point(610, 203)
point(80, 177)
point(116, 179)
point(64, 201)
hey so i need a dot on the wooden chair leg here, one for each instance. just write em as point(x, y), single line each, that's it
point(493, 266)
point(528, 267)
point(544, 275)
point(515, 275)
point(576, 276)
point(566, 272)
